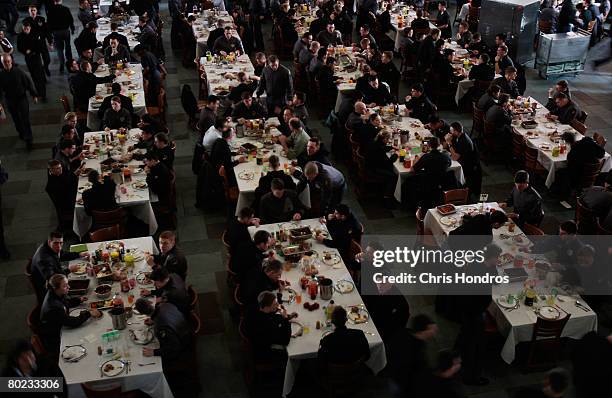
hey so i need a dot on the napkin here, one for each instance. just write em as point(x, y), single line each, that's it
point(531, 315)
point(82, 247)
point(90, 338)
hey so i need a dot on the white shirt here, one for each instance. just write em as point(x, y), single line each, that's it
point(211, 135)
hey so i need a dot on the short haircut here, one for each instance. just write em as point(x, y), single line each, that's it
point(442, 3)
point(563, 84)
point(272, 265)
point(93, 176)
point(338, 317)
point(485, 58)
point(272, 59)
point(228, 28)
point(54, 163)
point(498, 216)
point(265, 299)
point(343, 209)
point(421, 322)
point(84, 65)
point(114, 26)
point(55, 281)
point(561, 96)
point(212, 98)
point(295, 123)
point(144, 306)
point(300, 95)
point(521, 177)
point(492, 251)
point(434, 32)
point(151, 156)
point(277, 183)
point(162, 137)
point(372, 78)
point(418, 87)
point(503, 99)
point(373, 116)
point(365, 26)
point(246, 212)
point(116, 88)
point(116, 99)
point(306, 34)
point(456, 126)
point(448, 51)
point(476, 36)
point(311, 169)
point(55, 235)
point(569, 226)
point(69, 115)
point(464, 24)
point(568, 137)
point(261, 237)
point(510, 69)
point(220, 123)
point(159, 274)
point(167, 235)
point(494, 89)
point(558, 380)
point(274, 161)
point(316, 140)
point(501, 36)
point(65, 144)
point(434, 142)
point(66, 129)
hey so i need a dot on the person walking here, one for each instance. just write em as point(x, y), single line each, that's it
point(14, 85)
point(29, 45)
point(61, 24)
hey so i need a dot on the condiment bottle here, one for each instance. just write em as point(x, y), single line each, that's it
point(313, 286)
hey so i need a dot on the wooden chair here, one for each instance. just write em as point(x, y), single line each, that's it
point(491, 141)
point(65, 103)
point(33, 319)
point(589, 174)
point(226, 244)
point(532, 165)
point(238, 299)
point(104, 234)
point(518, 150)
point(231, 192)
point(193, 297)
point(532, 230)
point(159, 110)
point(457, 196)
point(354, 249)
point(473, 18)
point(590, 26)
point(579, 126)
point(103, 219)
point(195, 322)
point(341, 379)
point(586, 219)
point(601, 230)
point(582, 117)
point(477, 122)
point(480, 87)
point(546, 334)
point(365, 179)
point(600, 140)
point(38, 346)
point(28, 274)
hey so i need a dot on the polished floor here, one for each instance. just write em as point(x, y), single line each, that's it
point(29, 216)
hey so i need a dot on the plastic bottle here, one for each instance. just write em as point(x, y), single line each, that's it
point(129, 259)
point(330, 310)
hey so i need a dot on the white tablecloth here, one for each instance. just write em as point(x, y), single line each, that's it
point(150, 379)
point(128, 30)
point(409, 16)
point(131, 81)
point(201, 29)
point(247, 187)
point(545, 127)
point(516, 325)
point(138, 202)
point(307, 345)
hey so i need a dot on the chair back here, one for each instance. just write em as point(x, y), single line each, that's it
point(231, 193)
point(585, 219)
point(65, 103)
point(591, 25)
point(104, 234)
point(600, 140)
point(547, 334)
point(339, 379)
point(489, 137)
point(457, 196)
point(481, 86)
point(108, 393)
point(478, 116)
point(33, 319)
point(420, 220)
point(579, 126)
point(545, 26)
point(582, 117)
point(102, 219)
point(37, 345)
point(354, 249)
point(226, 245)
point(589, 173)
point(532, 230)
point(518, 147)
point(531, 159)
point(194, 322)
point(237, 298)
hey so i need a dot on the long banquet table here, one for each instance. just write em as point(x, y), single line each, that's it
point(138, 201)
point(202, 27)
point(129, 29)
point(132, 85)
point(517, 325)
point(408, 15)
point(538, 137)
point(150, 379)
point(307, 345)
point(249, 172)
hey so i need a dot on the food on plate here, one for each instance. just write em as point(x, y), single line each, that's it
point(446, 209)
point(506, 258)
point(109, 367)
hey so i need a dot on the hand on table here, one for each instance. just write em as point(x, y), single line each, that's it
point(150, 260)
point(297, 217)
point(319, 238)
point(512, 215)
point(83, 299)
point(502, 205)
point(147, 352)
point(255, 221)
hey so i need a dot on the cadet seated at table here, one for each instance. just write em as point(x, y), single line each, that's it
point(343, 345)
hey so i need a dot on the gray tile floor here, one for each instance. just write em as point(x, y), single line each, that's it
point(28, 217)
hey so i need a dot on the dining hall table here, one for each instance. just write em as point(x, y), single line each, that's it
point(401, 17)
point(326, 261)
point(222, 75)
point(131, 370)
point(249, 172)
point(132, 195)
point(127, 27)
point(545, 136)
point(514, 319)
point(130, 77)
point(207, 21)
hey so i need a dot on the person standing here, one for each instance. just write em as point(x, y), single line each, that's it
point(257, 9)
point(8, 10)
point(14, 84)
point(61, 24)
point(276, 81)
point(4, 253)
point(29, 45)
point(41, 31)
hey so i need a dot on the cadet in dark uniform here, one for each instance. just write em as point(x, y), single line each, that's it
point(175, 338)
point(170, 288)
point(464, 151)
point(101, 195)
point(526, 201)
point(433, 161)
point(171, 258)
point(248, 108)
point(565, 110)
point(29, 45)
point(257, 280)
point(507, 82)
point(438, 127)
point(163, 149)
point(268, 328)
point(343, 346)
point(42, 32)
point(248, 255)
point(419, 106)
point(14, 85)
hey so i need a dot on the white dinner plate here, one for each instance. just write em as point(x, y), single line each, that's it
point(549, 313)
point(112, 368)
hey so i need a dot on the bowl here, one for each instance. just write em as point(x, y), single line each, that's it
point(103, 291)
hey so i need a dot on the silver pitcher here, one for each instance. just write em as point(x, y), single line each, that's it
point(119, 318)
point(326, 288)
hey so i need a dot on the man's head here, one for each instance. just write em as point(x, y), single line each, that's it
point(307, 37)
point(151, 159)
point(360, 108)
point(456, 129)
point(295, 124)
point(313, 146)
point(114, 42)
point(561, 100)
point(433, 142)
point(272, 268)
point(245, 215)
point(500, 39)
point(342, 212)
point(463, 27)
point(449, 53)
point(68, 132)
point(67, 147)
point(72, 65)
point(521, 180)
point(339, 317)
point(212, 103)
point(498, 218)
point(364, 31)
point(87, 53)
point(160, 277)
point(262, 240)
point(568, 230)
point(260, 58)
point(417, 90)
point(114, 26)
point(116, 89)
point(267, 302)
point(585, 257)
point(59, 284)
point(55, 240)
point(510, 73)
point(562, 86)
point(311, 171)
point(484, 59)
point(7, 61)
point(375, 119)
point(144, 306)
point(33, 11)
point(227, 32)
point(116, 103)
point(167, 241)
point(569, 137)
point(273, 62)
point(448, 364)
point(27, 28)
point(278, 187)
point(330, 27)
point(476, 37)
point(556, 381)
point(71, 119)
point(92, 26)
point(287, 115)
point(55, 167)
point(247, 98)
point(22, 356)
point(491, 254)
point(503, 100)
point(315, 46)
point(93, 177)
point(435, 34)
point(299, 98)
point(387, 57)
point(442, 6)
point(373, 80)
point(424, 327)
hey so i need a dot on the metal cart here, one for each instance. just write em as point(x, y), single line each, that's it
point(562, 53)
